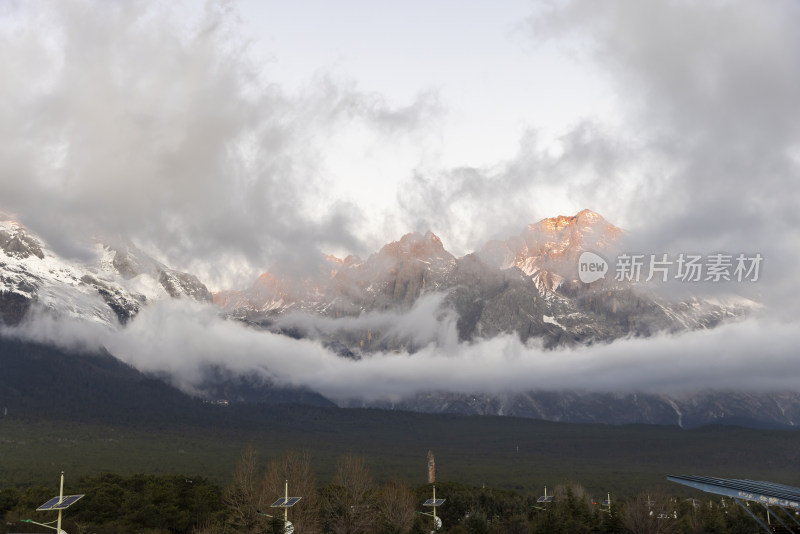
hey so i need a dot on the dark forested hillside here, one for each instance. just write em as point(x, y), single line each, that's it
point(40, 381)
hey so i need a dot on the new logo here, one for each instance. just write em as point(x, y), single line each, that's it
point(591, 267)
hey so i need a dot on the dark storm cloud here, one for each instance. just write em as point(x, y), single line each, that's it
point(130, 120)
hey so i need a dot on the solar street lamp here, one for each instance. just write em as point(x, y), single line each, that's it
point(607, 504)
point(285, 502)
point(60, 503)
point(543, 500)
point(434, 503)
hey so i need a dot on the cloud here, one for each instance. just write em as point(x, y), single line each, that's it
point(468, 206)
point(155, 123)
point(709, 92)
point(152, 122)
point(702, 157)
point(426, 322)
point(131, 118)
point(182, 341)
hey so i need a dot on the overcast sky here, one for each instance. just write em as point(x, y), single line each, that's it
point(224, 137)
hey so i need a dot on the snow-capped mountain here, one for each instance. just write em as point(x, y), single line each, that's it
point(527, 285)
point(393, 277)
point(548, 251)
point(109, 290)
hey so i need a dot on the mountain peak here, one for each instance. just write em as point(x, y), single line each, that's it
point(571, 228)
point(589, 214)
point(416, 244)
point(552, 244)
point(554, 224)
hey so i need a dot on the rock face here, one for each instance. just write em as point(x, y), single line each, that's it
point(548, 251)
point(526, 285)
point(16, 243)
point(110, 291)
point(13, 307)
point(178, 284)
point(395, 277)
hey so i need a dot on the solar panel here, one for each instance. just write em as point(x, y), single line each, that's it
point(433, 502)
point(49, 504)
point(283, 502)
point(548, 498)
point(606, 502)
point(59, 503)
point(68, 501)
point(750, 490)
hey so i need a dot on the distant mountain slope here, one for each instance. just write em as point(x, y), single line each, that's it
point(46, 382)
point(690, 410)
point(42, 382)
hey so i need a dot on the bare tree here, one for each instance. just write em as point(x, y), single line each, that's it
point(294, 467)
point(349, 503)
point(573, 489)
point(395, 506)
point(243, 496)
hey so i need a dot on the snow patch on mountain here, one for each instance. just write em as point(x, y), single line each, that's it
point(109, 290)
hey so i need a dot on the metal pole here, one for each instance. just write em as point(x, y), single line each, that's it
point(746, 509)
point(434, 507)
point(789, 514)
point(60, 498)
point(286, 510)
point(778, 518)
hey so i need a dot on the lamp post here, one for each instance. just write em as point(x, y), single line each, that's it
point(434, 503)
point(59, 503)
point(57, 528)
point(284, 502)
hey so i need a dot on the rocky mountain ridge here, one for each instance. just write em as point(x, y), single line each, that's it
point(110, 291)
point(526, 285)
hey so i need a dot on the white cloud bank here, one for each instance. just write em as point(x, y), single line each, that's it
point(181, 340)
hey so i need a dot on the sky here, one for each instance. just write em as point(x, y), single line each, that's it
point(254, 132)
point(226, 137)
